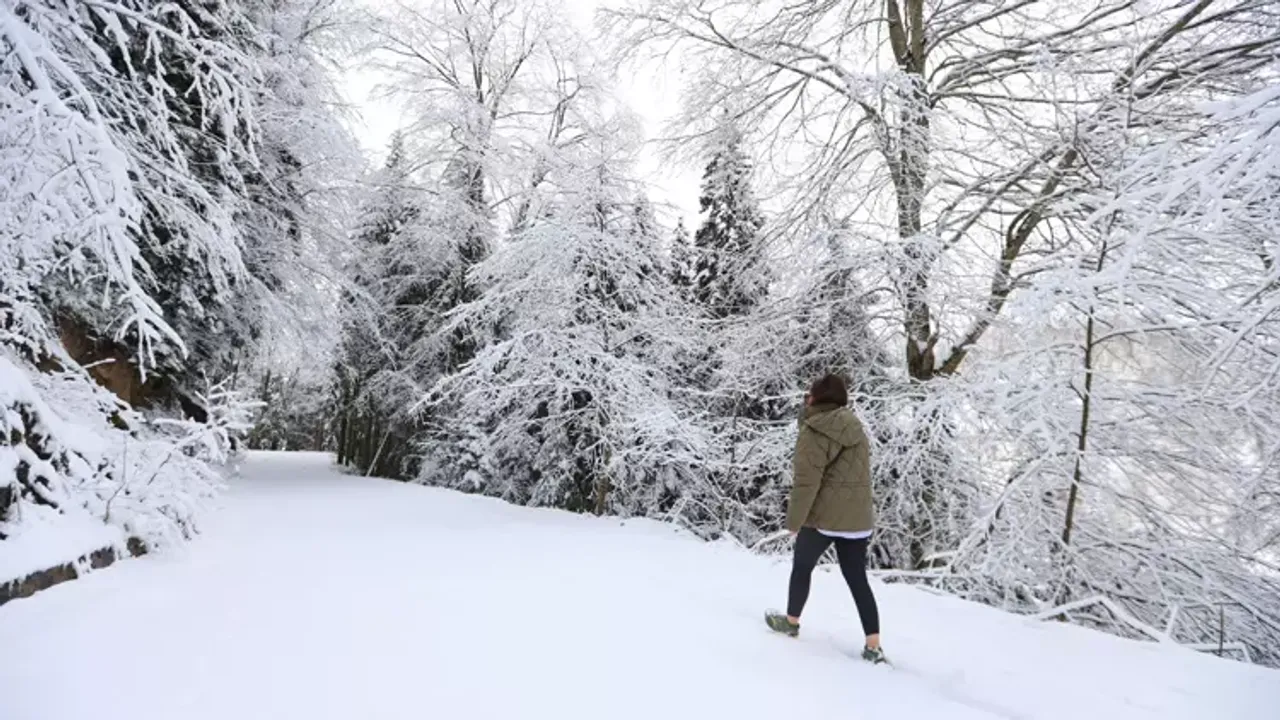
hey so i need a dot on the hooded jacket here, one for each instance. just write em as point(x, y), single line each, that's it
point(831, 472)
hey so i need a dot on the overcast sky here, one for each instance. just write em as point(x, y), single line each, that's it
point(651, 93)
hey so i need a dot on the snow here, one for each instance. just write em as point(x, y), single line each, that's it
point(316, 595)
point(52, 540)
point(149, 481)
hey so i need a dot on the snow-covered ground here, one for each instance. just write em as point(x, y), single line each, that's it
point(55, 540)
point(316, 595)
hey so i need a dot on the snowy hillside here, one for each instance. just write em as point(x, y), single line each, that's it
point(317, 595)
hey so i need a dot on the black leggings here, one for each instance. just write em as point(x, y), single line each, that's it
point(810, 544)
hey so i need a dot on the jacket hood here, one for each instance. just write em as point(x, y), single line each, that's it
point(835, 422)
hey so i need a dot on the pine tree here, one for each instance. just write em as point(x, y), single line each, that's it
point(683, 261)
point(187, 138)
point(222, 178)
point(727, 275)
point(152, 106)
point(458, 236)
point(378, 313)
point(730, 271)
point(569, 406)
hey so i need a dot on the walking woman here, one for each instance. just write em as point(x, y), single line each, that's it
point(831, 504)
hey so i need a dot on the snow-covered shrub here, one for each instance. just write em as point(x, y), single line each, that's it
point(75, 454)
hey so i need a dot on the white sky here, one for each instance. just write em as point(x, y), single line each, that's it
point(651, 93)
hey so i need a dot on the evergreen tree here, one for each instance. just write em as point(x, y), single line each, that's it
point(456, 235)
point(569, 407)
point(188, 135)
point(153, 107)
point(378, 310)
point(222, 175)
point(415, 268)
point(730, 271)
point(724, 275)
point(683, 261)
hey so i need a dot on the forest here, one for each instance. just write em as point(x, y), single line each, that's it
point(1041, 240)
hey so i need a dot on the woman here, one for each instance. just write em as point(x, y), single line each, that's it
point(831, 504)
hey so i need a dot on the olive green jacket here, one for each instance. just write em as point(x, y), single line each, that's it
point(832, 473)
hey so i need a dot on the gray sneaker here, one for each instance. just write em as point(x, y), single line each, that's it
point(778, 622)
point(873, 655)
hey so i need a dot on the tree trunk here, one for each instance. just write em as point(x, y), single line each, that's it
point(1082, 444)
point(908, 162)
point(366, 443)
point(343, 422)
point(1059, 551)
point(602, 494)
point(374, 468)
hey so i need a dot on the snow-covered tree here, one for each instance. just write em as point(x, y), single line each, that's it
point(1170, 431)
point(379, 324)
point(936, 133)
point(764, 363)
point(295, 414)
point(72, 241)
point(224, 153)
point(569, 406)
point(1128, 465)
point(494, 90)
point(682, 261)
point(189, 135)
point(302, 192)
point(132, 135)
point(1230, 185)
point(462, 69)
point(1019, 189)
point(731, 273)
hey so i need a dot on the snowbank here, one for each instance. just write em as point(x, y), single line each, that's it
point(54, 540)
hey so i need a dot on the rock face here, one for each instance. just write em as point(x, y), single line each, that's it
point(43, 579)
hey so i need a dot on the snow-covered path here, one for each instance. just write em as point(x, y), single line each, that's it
point(315, 595)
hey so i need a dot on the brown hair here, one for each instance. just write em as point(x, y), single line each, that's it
point(829, 388)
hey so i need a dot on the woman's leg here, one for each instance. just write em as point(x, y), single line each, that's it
point(810, 544)
point(853, 565)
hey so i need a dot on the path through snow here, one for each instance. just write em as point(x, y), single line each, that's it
point(315, 595)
